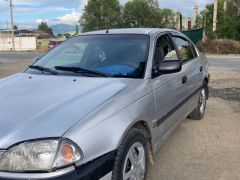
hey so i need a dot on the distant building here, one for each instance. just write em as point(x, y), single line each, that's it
point(5, 33)
point(195, 14)
point(35, 33)
point(25, 40)
point(25, 43)
point(187, 22)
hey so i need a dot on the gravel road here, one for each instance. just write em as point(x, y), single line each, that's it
point(224, 62)
point(199, 150)
point(18, 56)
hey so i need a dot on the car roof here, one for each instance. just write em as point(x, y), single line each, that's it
point(147, 31)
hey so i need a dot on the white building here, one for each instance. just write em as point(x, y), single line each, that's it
point(21, 43)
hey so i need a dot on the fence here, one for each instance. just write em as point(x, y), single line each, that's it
point(21, 43)
point(195, 35)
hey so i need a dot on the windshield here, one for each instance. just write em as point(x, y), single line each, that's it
point(113, 55)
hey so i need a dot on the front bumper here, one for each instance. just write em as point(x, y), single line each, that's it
point(67, 173)
point(94, 170)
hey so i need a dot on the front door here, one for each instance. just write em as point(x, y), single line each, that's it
point(168, 88)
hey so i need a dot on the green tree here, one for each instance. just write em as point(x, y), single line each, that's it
point(228, 23)
point(153, 3)
point(67, 35)
point(59, 36)
point(44, 27)
point(15, 27)
point(168, 18)
point(141, 13)
point(77, 29)
point(101, 14)
point(199, 22)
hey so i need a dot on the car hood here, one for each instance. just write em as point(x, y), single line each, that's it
point(41, 106)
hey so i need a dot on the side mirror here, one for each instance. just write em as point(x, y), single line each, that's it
point(168, 67)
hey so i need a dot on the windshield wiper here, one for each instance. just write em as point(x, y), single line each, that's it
point(81, 70)
point(41, 68)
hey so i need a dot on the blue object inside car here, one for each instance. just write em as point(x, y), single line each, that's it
point(117, 69)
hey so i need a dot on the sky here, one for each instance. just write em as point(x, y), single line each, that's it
point(29, 13)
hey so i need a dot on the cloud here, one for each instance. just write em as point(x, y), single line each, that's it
point(71, 19)
point(32, 9)
point(41, 20)
point(83, 3)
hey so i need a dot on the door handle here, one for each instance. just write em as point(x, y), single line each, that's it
point(201, 69)
point(184, 79)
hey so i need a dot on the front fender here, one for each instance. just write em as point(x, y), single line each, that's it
point(98, 139)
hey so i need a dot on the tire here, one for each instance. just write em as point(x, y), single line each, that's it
point(199, 112)
point(133, 147)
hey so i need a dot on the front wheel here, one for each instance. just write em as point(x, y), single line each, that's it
point(132, 157)
point(199, 112)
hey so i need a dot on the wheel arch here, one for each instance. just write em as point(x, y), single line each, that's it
point(145, 129)
point(205, 84)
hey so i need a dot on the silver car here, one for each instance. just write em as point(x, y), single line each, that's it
point(99, 105)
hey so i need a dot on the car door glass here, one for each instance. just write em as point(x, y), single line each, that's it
point(184, 49)
point(193, 50)
point(164, 51)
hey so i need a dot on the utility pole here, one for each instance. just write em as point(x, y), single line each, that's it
point(225, 6)
point(12, 24)
point(204, 24)
point(195, 13)
point(215, 15)
point(181, 18)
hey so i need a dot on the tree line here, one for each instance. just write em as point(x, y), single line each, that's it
point(228, 22)
point(106, 14)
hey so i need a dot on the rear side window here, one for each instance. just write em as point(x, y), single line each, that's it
point(193, 50)
point(185, 48)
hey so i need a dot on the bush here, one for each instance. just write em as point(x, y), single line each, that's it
point(220, 47)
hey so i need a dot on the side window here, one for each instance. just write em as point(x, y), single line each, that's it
point(164, 51)
point(194, 50)
point(185, 49)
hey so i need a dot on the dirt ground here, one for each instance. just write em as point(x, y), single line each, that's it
point(208, 149)
point(198, 150)
point(8, 68)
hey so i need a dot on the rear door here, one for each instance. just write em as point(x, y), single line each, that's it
point(192, 71)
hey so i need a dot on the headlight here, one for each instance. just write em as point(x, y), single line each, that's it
point(41, 155)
